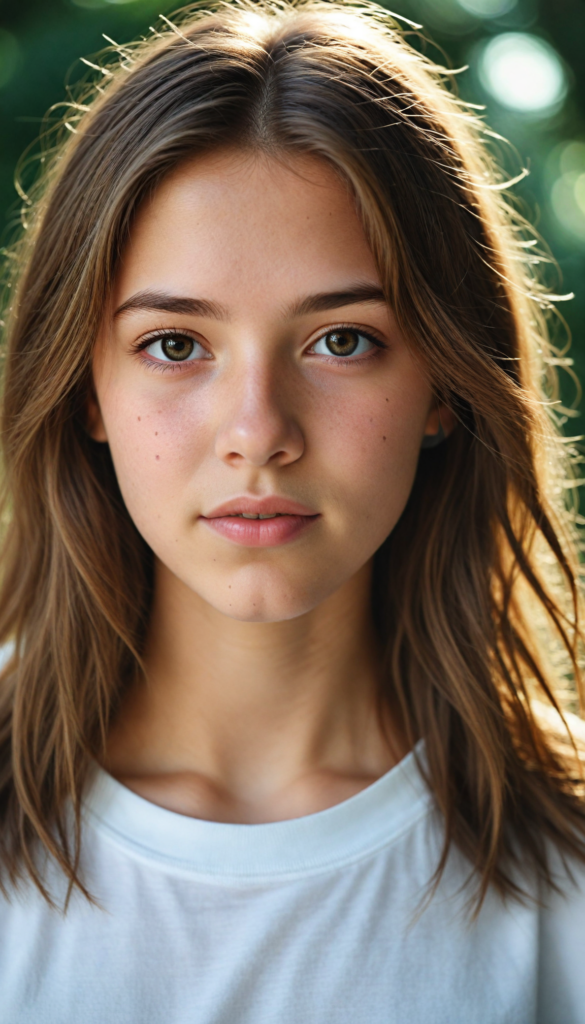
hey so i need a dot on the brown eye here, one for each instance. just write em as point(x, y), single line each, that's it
point(343, 342)
point(177, 347)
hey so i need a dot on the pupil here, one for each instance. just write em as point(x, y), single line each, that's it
point(342, 343)
point(177, 347)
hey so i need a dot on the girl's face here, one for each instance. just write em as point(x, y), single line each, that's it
point(250, 366)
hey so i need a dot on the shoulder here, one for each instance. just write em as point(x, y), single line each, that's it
point(561, 976)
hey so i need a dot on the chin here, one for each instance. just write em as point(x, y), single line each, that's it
point(268, 600)
point(262, 609)
point(259, 593)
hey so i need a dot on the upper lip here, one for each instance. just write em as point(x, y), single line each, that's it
point(267, 506)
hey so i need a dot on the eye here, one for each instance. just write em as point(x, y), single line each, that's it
point(343, 342)
point(176, 348)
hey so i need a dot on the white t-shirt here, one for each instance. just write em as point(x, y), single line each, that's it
point(317, 920)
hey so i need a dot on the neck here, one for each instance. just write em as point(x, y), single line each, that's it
point(258, 720)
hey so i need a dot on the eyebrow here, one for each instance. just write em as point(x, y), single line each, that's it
point(165, 303)
point(319, 303)
point(334, 300)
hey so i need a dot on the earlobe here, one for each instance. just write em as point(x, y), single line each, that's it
point(441, 421)
point(94, 420)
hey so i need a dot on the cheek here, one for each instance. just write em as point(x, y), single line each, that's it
point(157, 443)
point(371, 445)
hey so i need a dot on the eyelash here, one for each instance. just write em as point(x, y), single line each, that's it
point(369, 335)
point(166, 332)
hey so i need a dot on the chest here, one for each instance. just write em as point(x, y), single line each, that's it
point(343, 948)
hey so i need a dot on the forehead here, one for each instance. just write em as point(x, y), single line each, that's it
point(245, 227)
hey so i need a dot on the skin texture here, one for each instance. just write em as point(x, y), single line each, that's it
point(261, 661)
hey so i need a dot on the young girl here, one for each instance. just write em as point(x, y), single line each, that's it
point(289, 601)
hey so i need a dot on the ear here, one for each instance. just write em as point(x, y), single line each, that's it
point(94, 419)
point(441, 420)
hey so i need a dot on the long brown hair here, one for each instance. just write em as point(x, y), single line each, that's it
point(475, 587)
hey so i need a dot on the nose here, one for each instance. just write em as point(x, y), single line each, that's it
point(258, 427)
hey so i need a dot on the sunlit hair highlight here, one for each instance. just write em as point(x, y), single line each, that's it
point(475, 594)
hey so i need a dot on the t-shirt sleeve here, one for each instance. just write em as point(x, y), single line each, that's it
point(561, 980)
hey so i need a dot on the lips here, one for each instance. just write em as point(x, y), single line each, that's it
point(260, 522)
point(268, 506)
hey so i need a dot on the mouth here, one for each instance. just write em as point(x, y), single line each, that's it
point(260, 522)
point(255, 515)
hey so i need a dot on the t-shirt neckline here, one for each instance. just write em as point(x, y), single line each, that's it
point(346, 832)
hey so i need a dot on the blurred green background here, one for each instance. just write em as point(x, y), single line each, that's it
point(525, 62)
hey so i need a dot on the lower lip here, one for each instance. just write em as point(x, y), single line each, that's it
point(260, 533)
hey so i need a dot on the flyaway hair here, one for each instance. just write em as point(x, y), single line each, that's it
point(476, 593)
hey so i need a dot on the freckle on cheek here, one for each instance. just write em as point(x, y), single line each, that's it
point(139, 418)
point(157, 457)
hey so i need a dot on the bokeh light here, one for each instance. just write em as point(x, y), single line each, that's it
point(523, 73)
point(448, 16)
point(567, 194)
point(100, 3)
point(488, 8)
